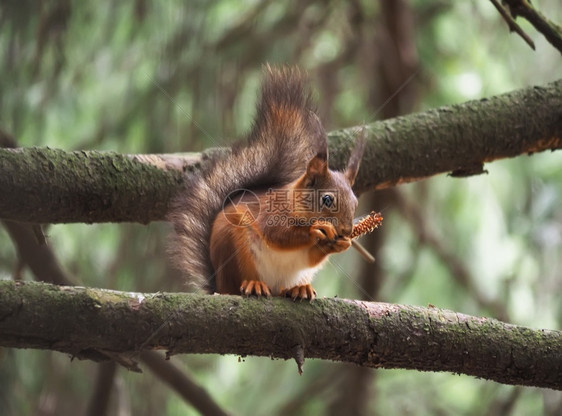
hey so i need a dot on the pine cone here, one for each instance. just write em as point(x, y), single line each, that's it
point(366, 224)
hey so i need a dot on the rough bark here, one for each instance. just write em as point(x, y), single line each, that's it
point(53, 186)
point(46, 185)
point(95, 323)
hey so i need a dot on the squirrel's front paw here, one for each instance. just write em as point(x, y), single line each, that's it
point(341, 244)
point(324, 231)
point(254, 287)
point(334, 246)
point(300, 292)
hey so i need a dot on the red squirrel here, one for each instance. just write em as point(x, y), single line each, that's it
point(264, 219)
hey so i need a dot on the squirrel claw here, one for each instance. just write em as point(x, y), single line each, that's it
point(341, 244)
point(318, 234)
point(324, 230)
point(334, 246)
point(254, 287)
point(300, 292)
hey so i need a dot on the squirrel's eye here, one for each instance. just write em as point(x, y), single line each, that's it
point(327, 200)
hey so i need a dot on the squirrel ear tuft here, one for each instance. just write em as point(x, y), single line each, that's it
point(316, 168)
point(355, 158)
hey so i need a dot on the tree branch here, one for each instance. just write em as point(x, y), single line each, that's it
point(45, 266)
point(182, 383)
point(99, 402)
point(38, 257)
point(52, 186)
point(512, 24)
point(550, 30)
point(81, 321)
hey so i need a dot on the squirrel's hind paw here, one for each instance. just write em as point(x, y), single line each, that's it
point(254, 287)
point(300, 292)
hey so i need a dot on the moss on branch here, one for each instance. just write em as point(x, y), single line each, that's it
point(95, 324)
point(52, 186)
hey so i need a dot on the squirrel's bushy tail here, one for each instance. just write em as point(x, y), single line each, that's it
point(285, 136)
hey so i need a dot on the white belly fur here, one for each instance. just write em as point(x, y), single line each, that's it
point(283, 269)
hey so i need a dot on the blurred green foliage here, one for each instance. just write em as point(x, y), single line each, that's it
point(139, 77)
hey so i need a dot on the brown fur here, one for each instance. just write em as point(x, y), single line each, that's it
point(287, 150)
point(279, 148)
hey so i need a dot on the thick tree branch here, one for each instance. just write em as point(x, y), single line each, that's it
point(45, 266)
point(53, 186)
point(81, 321)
